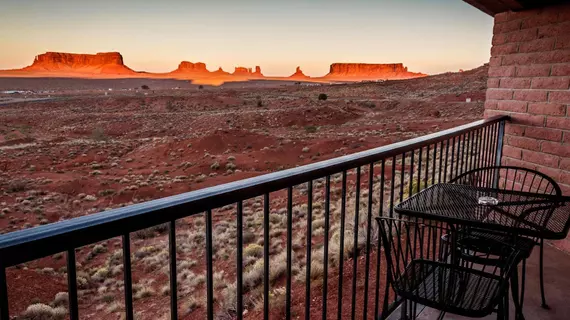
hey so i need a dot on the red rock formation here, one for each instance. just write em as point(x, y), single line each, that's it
point(189, 67)
point(100, 63)
point(220, 71)
point(366, 71)
point(298, 74)
point(242, 71)
point(258, 71)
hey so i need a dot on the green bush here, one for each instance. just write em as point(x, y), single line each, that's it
point(323, 97)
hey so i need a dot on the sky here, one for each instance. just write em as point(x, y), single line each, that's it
point(430, 36)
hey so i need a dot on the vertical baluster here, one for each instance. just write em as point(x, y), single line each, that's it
point(309, 248)
point(427, 167)
point(392, 187)
point(173, 283)
point(72, 284)
point(419, 180)
point(128, 281)
point(411, 182)
point(378, 250)
point(458, 157)
point(355, 244)
point(464, 153)
point(441, 168)
point(402, 175)
point(451, 160)
point(266, 256)
point(474, 150)
point(483, 147)
point(326, 246)
point(209, 267)
point(368, 235)
point(341, 254)
point(433, 165)
point(239, 262)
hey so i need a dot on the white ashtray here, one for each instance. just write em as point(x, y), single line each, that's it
point(488, 201)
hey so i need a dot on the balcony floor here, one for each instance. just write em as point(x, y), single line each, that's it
point(557, 284)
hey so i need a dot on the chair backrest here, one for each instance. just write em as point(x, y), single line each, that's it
point(516, 179)
point(420, 249)
point(510, 178)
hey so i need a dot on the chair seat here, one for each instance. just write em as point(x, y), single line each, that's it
point(524, 245)
point(490, 242)
point(450, 288)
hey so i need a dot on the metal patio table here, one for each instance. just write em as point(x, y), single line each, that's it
point(513, 212)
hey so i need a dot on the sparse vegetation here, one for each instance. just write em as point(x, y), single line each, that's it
point(323, 97)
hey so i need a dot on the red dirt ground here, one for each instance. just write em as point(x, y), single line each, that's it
point(84, 149)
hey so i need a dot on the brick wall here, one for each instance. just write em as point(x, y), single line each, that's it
point(529, 79)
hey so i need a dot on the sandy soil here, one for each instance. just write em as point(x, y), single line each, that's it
point(86, 148)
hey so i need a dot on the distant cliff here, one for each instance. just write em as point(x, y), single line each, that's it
point(370, 71)
point(100, 63)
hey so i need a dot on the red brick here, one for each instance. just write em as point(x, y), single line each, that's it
point(524, 143)
point(560, 96)
point(551, 109)
point(550, 83)
point(514, 130)
point(528, 120)
point(564, 13)
point(554, 173)
point(515, 83)
point(500, 38)
point(531, 95)
point(556, 56)
point(488, 113)
point(556, 148)
point(514, 162)
point(543, 134)
point(512, 152)
point(521, 36)
point(554, 30)
point(489, 104)
point(495, 61)
point(541, 45)
point(558, 123)
point(565, 177)
point(565, 191)
point(493, 83)
point(502, 71)
point(563, 42)
point(504, 49)
point(566, 138)
point(540, 158)
point(565, 164)
point(507, 26)
point(512, 106)
point(546, 17)
point(499, 94)
point(561, 69)
point(520, 59)
point(502, 17)
point(531, 71)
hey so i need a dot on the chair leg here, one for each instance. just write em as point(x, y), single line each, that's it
point(541, 266)
point(515, 293)
point(523, 280)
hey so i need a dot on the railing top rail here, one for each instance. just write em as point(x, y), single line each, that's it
point(29, 244)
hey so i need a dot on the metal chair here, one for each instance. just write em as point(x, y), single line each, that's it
point(445, 276)
point(518, 180)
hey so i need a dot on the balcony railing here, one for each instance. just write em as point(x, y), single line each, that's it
point(364, 184)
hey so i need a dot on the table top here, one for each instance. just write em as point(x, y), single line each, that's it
point(523, 213)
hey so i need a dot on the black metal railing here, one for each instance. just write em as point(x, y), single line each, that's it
point(341, 251)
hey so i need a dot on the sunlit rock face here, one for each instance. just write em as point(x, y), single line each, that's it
point(189, 67)
point(365, 71)
point(102, 63)
point(298, 74)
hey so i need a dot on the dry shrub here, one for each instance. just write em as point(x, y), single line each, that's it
point(41, 311)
